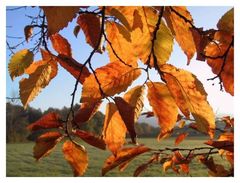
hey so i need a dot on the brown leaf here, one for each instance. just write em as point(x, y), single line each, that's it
point(90, 24)
point(122, 156)
point(181, 29)
point(189, 91)
point(28, 31)
point(58, 17)
point(61, 45)
point(76, 156)
point(45, 144)
point(148, 114)
point(226, 23)
point(76, 30)
point(73, 67)
point(91, 139)
point(127, 113)
point(164, 107)
point(180, 138)
point(114, 78)
point(114, 129)
point(50, 120)
point(86, 112)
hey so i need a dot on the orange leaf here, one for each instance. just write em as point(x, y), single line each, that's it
point(122, 156)
point(167, 165)
point(114, 78)
point(28, 31)
point(45, 144)
point(114, 129)
point(50, 120)
point(90, 24)
point(181, 29)
point(86, 112)
point(127, 113)
point(91, 139)
point(164, 107)
point(61, 45)
point(76, 156)
point(73, 67)
point(58, 17)
point(189, 91)
point(180, 138)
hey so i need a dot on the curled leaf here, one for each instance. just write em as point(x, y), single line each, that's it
point(28, 31)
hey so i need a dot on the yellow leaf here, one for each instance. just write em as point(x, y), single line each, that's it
point(90, 24)
point(76, 156)
point(167, 165)
point(114, 129)
point(164, 107)
point(123, 156)
point(28, 31)
point(122, 47)
point(58, 17)
point(181, 29)
point(114, 78)
point(134, 97)
point(192, 94)
point(30, 87)
point(226, 23)
point(19, 62)
point(45, 144)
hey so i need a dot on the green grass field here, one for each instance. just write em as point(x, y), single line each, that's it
point(20, 161)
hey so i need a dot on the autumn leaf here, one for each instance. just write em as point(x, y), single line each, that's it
point(127, 114)
point(90, 24)
point(114, 129)
point(74, 67)
point(28, 31)
point(164, 107)
point(181, 124)
point(122, 47)
point(122, 156)
point(186, 89)
point(76, 30)
point(226, 23)
point(46, 143)
point(86, 112)
point(180, 138)
point(76, 156)
point(32, 86)
point(113, 78)
point(223, 67)
point(50, 120)
point(167, 165)
point(58, 17)
point(181, 29)
point(19, 62)
point(91, 139)
point(61, 45)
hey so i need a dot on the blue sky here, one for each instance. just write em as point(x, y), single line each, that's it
point(57, 94)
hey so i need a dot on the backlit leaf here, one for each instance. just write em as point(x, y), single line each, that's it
point(19, 62)
point(181, 29)
point(90, 24)
point(122, 156)
point(167, 165)
point(91, 139)
point(50, 120)
point(114, 129)
point(61, 45)
point(86, 112)
point(180, 138)
point(73, 67)
point(185, 87)
point(226, 23)
point(114, 78)
point(32, 86)
point(76, 156)
point(58, 17)
point(164, 107)
point(28, 31)
point(45, 144)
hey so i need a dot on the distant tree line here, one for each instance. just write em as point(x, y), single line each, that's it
point(17, 120)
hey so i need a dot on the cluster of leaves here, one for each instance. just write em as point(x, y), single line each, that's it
point(130, 34)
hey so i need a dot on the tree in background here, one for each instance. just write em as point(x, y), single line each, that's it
point(129, 34)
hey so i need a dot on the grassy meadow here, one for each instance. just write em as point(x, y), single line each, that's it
point(20, 162)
